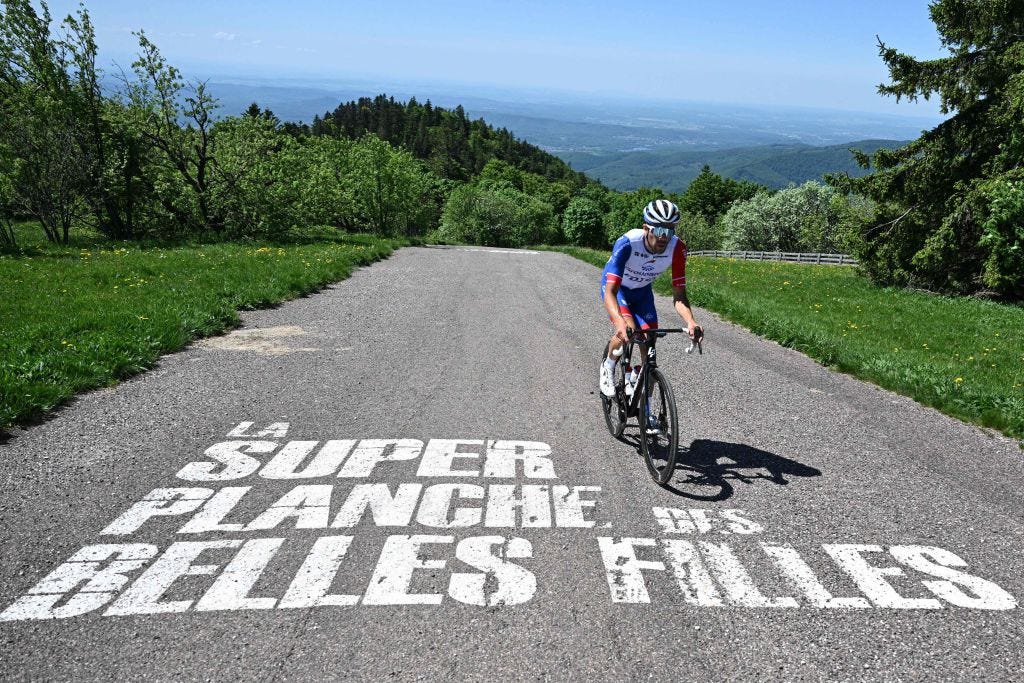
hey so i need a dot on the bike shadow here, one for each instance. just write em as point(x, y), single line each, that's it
point(706, 469)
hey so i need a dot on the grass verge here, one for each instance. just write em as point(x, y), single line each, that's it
point(82, 317)
point(962, 356)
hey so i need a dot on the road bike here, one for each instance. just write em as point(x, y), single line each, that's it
point(649, 399)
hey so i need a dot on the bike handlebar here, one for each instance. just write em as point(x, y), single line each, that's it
point(696, 341)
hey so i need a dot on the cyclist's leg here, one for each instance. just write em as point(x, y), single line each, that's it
point(641, 304)
point(646, 314)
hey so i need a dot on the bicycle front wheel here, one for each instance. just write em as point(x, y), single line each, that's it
point(659, 427)
point(614, 412)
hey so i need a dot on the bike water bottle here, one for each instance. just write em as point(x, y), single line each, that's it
point(631, 380)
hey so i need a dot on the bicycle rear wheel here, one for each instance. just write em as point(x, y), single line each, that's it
point(614, 411)
point(659, 427)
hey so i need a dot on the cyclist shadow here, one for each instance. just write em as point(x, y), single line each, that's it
point(705, 471)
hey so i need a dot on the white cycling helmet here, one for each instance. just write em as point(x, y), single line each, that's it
point(660, 212)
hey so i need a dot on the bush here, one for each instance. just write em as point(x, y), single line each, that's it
point(393, 191)
point(699, 233)
point(496, 215)
point(1004, 238)
point(809, 218)
point(261, 178)
point(582, 223)
point(626, 212)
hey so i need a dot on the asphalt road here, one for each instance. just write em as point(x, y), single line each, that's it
point(818, 528)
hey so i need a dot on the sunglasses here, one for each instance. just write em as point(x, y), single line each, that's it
point(662, 230)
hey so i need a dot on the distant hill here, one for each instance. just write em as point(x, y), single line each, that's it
point(775, 166)
point(453, 145)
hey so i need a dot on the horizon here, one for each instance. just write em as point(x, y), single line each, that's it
point(403, 91)
point(759, 55)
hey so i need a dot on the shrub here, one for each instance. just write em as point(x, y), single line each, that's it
point(497, 215)
point(582, 223)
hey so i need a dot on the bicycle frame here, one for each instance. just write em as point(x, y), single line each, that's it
point(648, 363)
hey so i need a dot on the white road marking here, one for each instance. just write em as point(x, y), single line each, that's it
point(312, 585)
point(222, 574)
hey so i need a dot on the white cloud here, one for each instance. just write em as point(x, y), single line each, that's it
point(305, 49)
point(254, 43)
point(222, 35)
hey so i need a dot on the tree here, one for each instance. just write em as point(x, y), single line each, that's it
point(710, 195)
point(746, 225)
point(260, 176)
point(948, 210)
point(326, 198)
point(44, 118)
point(582, 223)
point(156, 102)
point(7, 236)
point(809, 218)
point(496, 215)
point(698, 233)
point(393, 192)
point(626, 211)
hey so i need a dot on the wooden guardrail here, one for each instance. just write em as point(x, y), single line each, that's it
point(794, 257)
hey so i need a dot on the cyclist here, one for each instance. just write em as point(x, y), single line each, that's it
point(637, 258)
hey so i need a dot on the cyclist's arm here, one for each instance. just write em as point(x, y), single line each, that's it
point(682, 306)
point(613, 280)
point(679, 299)
point(611, 304)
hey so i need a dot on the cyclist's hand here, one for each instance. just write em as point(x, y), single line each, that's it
point(620, 331)
point(696, 332)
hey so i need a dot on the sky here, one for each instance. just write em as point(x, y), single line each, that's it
point(807, 53)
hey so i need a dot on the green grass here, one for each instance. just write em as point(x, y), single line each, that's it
point(87, 315)
point(962, 356)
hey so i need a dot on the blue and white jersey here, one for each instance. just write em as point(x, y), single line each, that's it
point(633, 266)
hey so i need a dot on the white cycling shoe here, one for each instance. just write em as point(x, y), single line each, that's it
point(606, 382)
point(653, 426)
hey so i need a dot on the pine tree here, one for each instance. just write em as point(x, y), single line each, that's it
point(950, 205)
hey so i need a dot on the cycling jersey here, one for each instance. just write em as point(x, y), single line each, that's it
point(633, 266)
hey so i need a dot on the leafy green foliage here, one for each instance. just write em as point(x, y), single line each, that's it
point(710, 195)
point(45, 107)
point(583, 224)
point(809, 218)
point(1003, 236)
point(496, 214)
point(699, 233)
point(259, 171)
point(945, 202)
point(626, 211)
point(393, 192)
